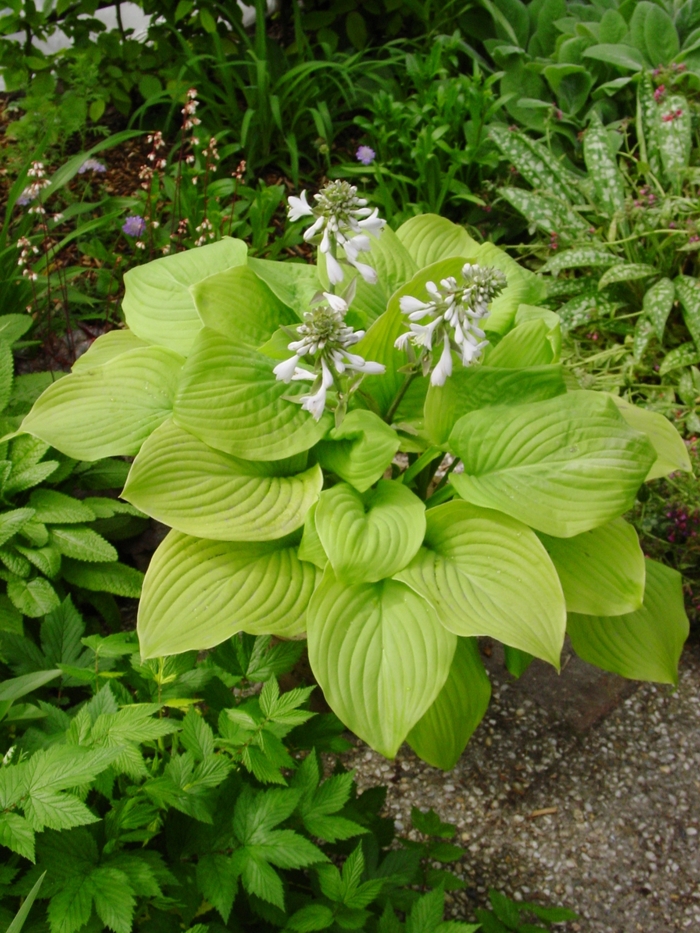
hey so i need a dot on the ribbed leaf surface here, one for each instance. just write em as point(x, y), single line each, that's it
point(360, 450)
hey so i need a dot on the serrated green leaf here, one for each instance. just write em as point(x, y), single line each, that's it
point(369, 536)
point(441, 734)
point(158, 304)
point(114, 898)
point(52, 507)
point(70, 908)
point(200, 491)
point(33, 598)
point(563, 466)
point(626, 272)
point(258, 587)
point(380, 655)
point(11, 522)
point(217, 879)
point(643, 645)
point(108, 577)
point(109, 409)
point(310, 918)
point(82, 544)
point(17, 834)
point(486, 574)
point(618, 54)
point(360, 450)
point(229, 397)
point(608, 184)
point(602, 571)
point(46, 559)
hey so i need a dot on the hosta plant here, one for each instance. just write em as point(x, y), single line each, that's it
point(379, 452)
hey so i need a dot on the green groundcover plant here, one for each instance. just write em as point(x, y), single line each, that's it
point(390, 469)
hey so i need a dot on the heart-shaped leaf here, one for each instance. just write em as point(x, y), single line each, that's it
point(188, 485)
point(601, 571)
point(671, 452)
point(198, 593)
point(108, 410)
point(487, 574)
point(360, 450)
point(643, 645)
point(107, 347)
point(563, 466)
point(430, 238)
point(380, 656)
point(372, 535)
point(158, 305)
point(441, 734)
point(229, 397)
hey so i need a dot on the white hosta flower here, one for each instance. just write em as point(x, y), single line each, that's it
point(325, 341)
point(344, 220)
point(454, 310)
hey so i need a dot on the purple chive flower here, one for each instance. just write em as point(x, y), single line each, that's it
point(92, 165)
point(134, 225)
point(366, 155)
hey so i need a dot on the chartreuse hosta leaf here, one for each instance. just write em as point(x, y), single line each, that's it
point(522, 287)
point(526, 345)
point(608, 184)
point(471, 388)
point(487, 574)
point(380, 656)
point(158, 305)
point(441, 734)
point(642, 645)
point(430, 238)
point(108, 410)
point(369, 536)
point(563, 466)
point(294, 283)
point(229, 397)
point(106, 347)
point(310, 547)
point(360, 450)
point(239, 305)
point(671, 452)
point(602, 570)
point(197, 593)
point(201, 491)
point(527, 313)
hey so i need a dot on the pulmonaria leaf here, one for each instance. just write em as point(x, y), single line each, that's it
point(536, 163)
point(487, 574)
point(158, 304)
point(608, 184)
point(688, 292)
point(201, 491)
point(549, 214)
point(230, 398)
point(626, 272)
point(581, 257)
point(360, 450)
point(108, 409)
point(441, 734)
point(369, 536)
point(602, 571)
point(657, 304)
point(380, 655)
point(562, 466)
point(675, 136)
point(642, 645)
point(197, 593)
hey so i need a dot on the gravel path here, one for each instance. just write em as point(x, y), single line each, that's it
point(621, 841)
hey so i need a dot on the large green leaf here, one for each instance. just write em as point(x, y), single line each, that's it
point(360, 450)
point(239, 305)
point(229, 397)
point(608, 184)
point(601, 571)
point(671, 452)
point(643, 645)
point(380, 656)
point(108, 410)
point(522, 287)
point(430, 238)
point(107, 347)
point(474, 387)
point(441, 734)
point(198, 593)
point(158, 305)
point(563, 466)
point(369, 536)
point(294, 283)
point(487, 574)
point(622, 56)
point(201, 491)
point(527, 344)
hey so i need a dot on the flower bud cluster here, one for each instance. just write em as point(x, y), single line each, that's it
point(342, 220)
point(453, 312)
point(324, 342)
point(33, 190)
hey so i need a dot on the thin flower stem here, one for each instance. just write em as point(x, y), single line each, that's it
point(398, 398)
point(423, 461)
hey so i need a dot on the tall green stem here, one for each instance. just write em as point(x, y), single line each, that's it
point(398, 398)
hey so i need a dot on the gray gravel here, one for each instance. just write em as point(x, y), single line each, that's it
point(623, 845)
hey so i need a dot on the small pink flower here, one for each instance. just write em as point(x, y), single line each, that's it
point(660, 93)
